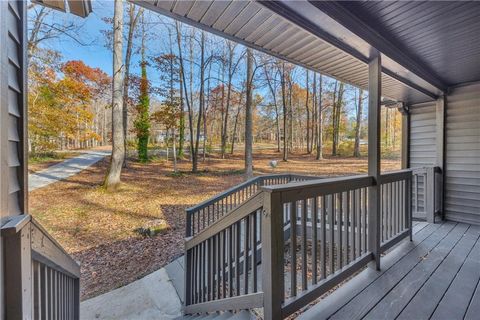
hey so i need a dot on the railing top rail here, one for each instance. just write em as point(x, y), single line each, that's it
point(46, 248)
point(392, 176)
point(241, 186)
point(307, 189)
point(237, 214)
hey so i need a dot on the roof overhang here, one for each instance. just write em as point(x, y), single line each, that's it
point(301, 33)
point(81, 8)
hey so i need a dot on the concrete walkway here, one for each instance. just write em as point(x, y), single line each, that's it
point(152, 297)
point(65, 169)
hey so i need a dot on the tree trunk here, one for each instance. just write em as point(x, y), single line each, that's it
point(356, 148)
point(309, 150)
point(285, 113)
point(248, 118)
point(128, 55)
point(112, 179)
point(320, 121)
point(201, 102)
point(186, 93)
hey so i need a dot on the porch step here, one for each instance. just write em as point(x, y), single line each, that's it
point(242, 315)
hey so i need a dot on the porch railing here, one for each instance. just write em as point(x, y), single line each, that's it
point(41, 279)
point(427, 193)
point(290, 243)
point(204, 214)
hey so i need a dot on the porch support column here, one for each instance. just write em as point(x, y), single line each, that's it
point(440, 132)
point(374, 105)
point(405, 136)
point(438, 185)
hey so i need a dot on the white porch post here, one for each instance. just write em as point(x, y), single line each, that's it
point(374, 94)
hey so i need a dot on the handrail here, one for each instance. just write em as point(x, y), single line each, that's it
point(220, 259)
point(35, 259)
point(279, 220)
point(224, 222)
point(205, 213)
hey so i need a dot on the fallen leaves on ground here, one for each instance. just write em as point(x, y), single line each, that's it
point(98, 227)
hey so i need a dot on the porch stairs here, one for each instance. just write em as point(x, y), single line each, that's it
point(277, 243)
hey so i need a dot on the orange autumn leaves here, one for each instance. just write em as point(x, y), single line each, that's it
point(61, 103)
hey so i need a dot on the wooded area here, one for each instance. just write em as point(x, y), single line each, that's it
point(177, 87)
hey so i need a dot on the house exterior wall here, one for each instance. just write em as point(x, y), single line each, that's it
point(462, 164)
point(423, 134)
point(13, 109)
point(422, 142)
point(462, 149)
point(13, 177)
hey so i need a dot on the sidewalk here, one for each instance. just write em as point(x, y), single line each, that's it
point(65, 169)
point(151, 297)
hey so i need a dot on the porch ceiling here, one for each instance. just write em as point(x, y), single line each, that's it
point(300, 33)
point(444, 36)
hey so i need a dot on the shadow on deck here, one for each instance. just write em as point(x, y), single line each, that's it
point(434, 277)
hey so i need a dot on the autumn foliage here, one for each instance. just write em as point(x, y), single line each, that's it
point(61, 103)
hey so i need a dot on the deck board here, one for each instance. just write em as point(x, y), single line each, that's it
point(474, 307)
point(398, 298)
point(358, 307)
point(425, 301)
point(435, 276)
point(345, 293)
point(462, 289)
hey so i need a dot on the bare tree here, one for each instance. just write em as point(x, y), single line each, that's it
point(112, 180)
point(285, 112)
point(356, 148)
point(248, 117)
point(319, 133)
point(309, 149)
point(133, 19)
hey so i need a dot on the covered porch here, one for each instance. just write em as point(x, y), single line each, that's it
point(279, 243)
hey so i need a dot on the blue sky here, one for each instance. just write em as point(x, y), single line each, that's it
point(96, 54)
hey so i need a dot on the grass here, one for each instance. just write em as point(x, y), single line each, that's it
point(101, 228)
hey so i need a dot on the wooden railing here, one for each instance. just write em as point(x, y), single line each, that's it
point(41, 279)
point(221, 262)
point(289, 244)
point(427, 193)
point(395, 221)
point(204, 214)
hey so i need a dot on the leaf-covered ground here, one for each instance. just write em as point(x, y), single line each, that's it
point(98, 228)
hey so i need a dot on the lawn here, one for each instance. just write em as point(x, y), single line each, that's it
point(98, 228)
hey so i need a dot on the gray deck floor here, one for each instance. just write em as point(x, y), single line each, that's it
point(436, 276)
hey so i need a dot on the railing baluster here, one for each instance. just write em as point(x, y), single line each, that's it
point(245, 254)
point(218, 260)
point(223, 235)
point(323, 257)
point(314, 217)
point(354, 224)
point(237, 257)
point(293, 248)
point(230, 261)
point(254, 250)
point(339, 230)
point(347, 227)
point(331, 210)
point(304, 244)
